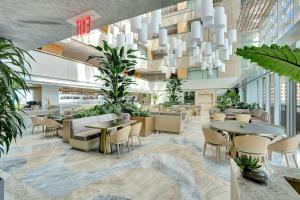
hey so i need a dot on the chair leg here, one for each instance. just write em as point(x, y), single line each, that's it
point(219, 148)
point(140, 140)
point(118, 148)
point(32, 129)
point(270, 154)
point(204, 148)
point(287, 160)
point(217, 154)
point(295, 159)
point(132, 142)
point(128, 145)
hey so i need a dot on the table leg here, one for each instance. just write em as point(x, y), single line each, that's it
point(232, 150)
point(104, 146)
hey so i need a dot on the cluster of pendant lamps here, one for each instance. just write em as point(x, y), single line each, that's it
point(207, 53)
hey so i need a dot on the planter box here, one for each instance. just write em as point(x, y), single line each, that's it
point(147, 126)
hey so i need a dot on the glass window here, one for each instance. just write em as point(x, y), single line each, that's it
point(298, 108)
point(283, 98)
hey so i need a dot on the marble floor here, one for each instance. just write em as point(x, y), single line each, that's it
point(166, 166)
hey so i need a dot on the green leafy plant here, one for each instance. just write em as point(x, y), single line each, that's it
point(117, 108)
point(244, 161)
point(174, 90)
point(155, 97)
point(228, 100)
point(117, 68)
point(281, 60)
point(12, 80)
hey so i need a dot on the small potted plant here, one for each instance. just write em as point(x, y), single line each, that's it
point(250, 169)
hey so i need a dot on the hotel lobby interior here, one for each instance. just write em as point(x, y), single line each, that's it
point(146, 100)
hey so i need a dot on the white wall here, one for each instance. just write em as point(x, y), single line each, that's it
point(51, 92)
point(217, 83)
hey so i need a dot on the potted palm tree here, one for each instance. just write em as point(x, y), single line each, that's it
point(12, 80)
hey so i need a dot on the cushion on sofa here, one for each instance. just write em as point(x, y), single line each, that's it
point(256, 120)
point(87, 135)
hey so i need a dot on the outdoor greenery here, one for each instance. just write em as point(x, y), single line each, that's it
point(244, 161)
point(12, 79)
point(174, 90)
point(231, 99)
point(117, 69)
point(281, 60)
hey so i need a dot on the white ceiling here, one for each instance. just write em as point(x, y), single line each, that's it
point(33, 23)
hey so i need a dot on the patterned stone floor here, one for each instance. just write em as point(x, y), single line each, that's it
point(166, 166)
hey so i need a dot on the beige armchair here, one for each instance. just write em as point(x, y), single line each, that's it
point(243, 117)
point(135, 132)
point(214, 138)
point(120, 137)
point(251, 145)
point(285, 146)
point(37, 121)
point(218, 117)
point(52, 126)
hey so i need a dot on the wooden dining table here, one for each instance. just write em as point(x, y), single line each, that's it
point(241, 128)
point(105, 127)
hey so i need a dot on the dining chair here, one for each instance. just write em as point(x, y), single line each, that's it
point(284, 147)
point(52, 126)
point(243, 117)
point(37, 122)
point(215, 139)
point(218, 117)
point(135, 132)
point(120, 137)
point(251, 145)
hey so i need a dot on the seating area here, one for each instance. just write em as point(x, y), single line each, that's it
point(150, 100)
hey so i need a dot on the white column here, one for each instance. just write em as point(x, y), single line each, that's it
point(241, 94)
point(268, 94)
point(277, 103)
point(249, 93)
point(291, 108)
point(260, 93)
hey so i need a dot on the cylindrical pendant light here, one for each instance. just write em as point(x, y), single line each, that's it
point(196, 31)
point(136, 24)
point(208, 48)
point(232, 36)
point(218, 63)
point(207, 10)
point(192, 45)
point(219, 38)
point(225, 43)
point(173, 43)
point(129, 38)
point(196, 51)
point(178, 51)
point(210, 23)
point(120, 40)
point(230, 49)
point(225, 28)
point(166, 61)
point(225, 54)
point(191, 60)
point(219, 18)
point(163, 37)
point(203, 65)
point(127, 28)
point(198, 58)
point(143, 34)
point(222, 68)
point(155, 22)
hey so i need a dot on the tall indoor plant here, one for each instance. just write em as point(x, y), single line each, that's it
point(281, 60)
point(117, 68)
point(174, 90)
point(12, 80)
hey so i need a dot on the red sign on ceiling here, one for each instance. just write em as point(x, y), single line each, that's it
point(83, 26)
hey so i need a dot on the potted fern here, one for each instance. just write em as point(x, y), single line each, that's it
point(12, 80)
